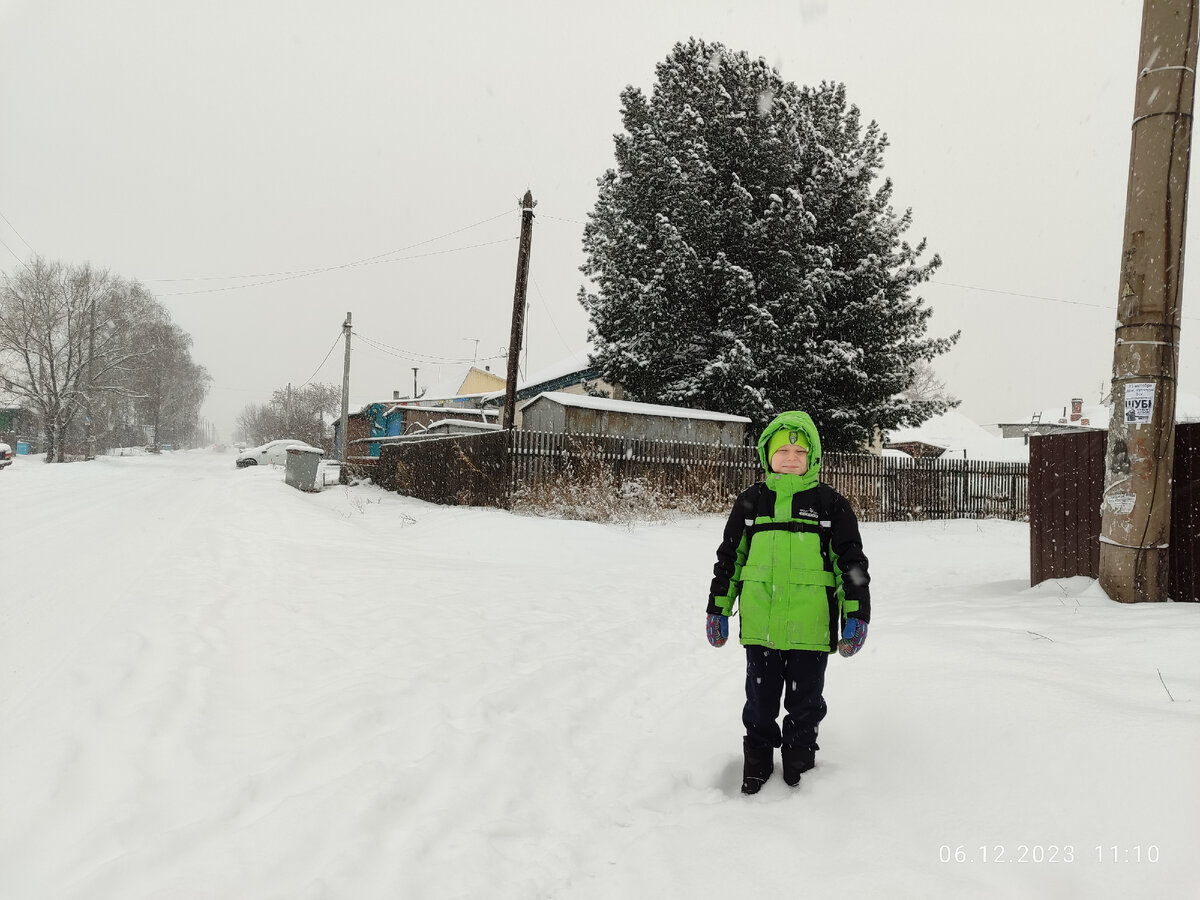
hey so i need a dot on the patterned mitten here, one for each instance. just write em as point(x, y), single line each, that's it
point(853, 637)
point(717, 629)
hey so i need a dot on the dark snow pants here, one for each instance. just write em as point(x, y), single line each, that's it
point(797, 675)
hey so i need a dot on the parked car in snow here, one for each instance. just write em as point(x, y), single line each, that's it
point(6, 455)
point(271, 453)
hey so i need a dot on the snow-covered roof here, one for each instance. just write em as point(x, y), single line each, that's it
point(456, 408)
point(464, 423)
point(576, 362)
point(956, 434)
point(434, 398)
point(628, 406)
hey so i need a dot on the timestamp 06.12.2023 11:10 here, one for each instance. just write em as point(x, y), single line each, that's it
point(1048, 854)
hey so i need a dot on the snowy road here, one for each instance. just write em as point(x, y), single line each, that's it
point(215, 686)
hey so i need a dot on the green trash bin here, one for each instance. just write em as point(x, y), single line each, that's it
point(302, 467)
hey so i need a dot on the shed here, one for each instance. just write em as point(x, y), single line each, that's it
point(373, 425)
point(563, 413)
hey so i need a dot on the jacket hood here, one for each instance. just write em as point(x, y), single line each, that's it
point(797, 421)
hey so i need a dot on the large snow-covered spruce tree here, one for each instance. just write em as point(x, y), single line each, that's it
point(746, 258)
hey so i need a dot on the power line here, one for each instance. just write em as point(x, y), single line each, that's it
point(363, 261)
point(560, 219)
point(407, 354)
point(333, 268)
point(18, 234)
point(972, 287)
point(14, 253)
point(546, 307)
point(325, 360)
point(414, 356)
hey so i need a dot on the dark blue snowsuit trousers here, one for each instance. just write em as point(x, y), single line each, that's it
point(797, 675)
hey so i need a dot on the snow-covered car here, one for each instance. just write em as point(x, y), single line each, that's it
point(271, 453)
point(6, 455)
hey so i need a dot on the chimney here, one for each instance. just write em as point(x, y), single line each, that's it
point(1076, 409)
point(395, 395)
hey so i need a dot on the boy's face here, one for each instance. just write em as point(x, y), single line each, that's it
point(790, 459)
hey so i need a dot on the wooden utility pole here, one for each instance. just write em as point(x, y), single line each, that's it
point(1136, 513)
point(344, 444)
point(518, 316)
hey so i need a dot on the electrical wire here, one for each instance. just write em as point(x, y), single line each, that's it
point(427, 358)
point(15, 256)
point(363, 261)
point(18, 234)
point(546, 307)
point(973, 287)
point(559, 219)
point(238, 287)
point(325, 360)
point(408, 354)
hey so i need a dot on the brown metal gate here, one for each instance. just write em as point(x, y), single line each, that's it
point(1066, 487)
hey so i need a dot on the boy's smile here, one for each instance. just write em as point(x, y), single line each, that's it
point(790, 459)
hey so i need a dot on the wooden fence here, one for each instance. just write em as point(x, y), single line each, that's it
point(891, 489)
point(1066, 486)
point(489, 469)
point(1066, 473)
point(1185, 514)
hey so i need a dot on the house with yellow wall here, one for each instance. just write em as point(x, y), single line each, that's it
point(480, 381)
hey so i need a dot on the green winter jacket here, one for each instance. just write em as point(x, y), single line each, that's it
point(791, 557)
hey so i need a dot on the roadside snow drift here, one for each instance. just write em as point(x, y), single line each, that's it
point(215, 686)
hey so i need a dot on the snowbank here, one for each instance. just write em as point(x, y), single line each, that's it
point(216, 686)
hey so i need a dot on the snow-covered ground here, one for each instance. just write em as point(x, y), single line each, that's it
point(215, 686)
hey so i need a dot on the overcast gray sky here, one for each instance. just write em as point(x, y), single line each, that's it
point(182, 143)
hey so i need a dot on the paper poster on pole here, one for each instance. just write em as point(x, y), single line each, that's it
point(1139, 403)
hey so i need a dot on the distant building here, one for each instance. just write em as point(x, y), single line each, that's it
point(1077, 417)
point(1070, 419)
point(572, 375)
point(563, 413)
point(480, 381)
point(370, 426)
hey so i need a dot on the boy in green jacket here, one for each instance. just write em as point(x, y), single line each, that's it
point(792, 560)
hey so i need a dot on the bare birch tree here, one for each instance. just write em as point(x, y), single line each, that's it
point(76, 340)
point(927, 386)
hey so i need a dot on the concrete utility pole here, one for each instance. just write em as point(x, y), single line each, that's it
point(518, 316)
point(343, 444)
point(1136, 513)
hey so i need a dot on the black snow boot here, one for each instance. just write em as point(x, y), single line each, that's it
point(797, 761)
point(758, 766)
